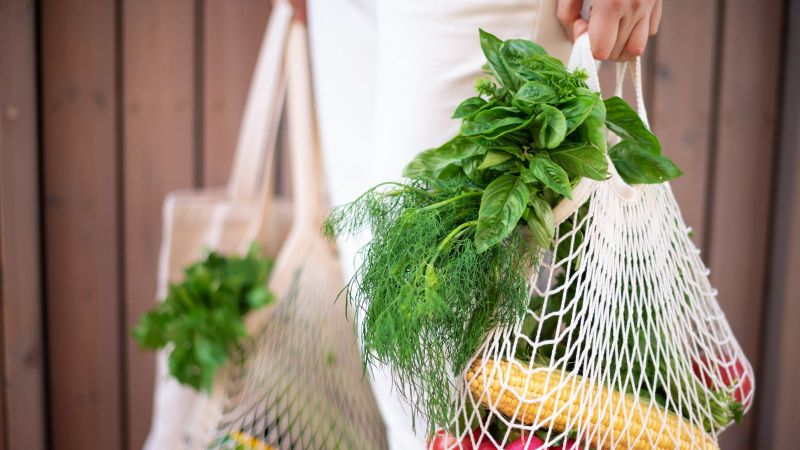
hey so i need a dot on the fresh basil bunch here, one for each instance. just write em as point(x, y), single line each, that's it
point(447, 261)
point(530, 139)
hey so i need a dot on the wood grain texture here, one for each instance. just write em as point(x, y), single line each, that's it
point(683, 100)
point(159, 156)
point(22, 396)
point(778, 405)
point(738, 226)
point(82, 222)
point(231, 39)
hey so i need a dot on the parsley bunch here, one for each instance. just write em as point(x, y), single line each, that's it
point(202, 316)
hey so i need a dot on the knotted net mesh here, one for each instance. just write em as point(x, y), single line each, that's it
point(302, 385)
point(623, 344)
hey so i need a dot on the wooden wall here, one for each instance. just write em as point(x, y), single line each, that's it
point(106, 105)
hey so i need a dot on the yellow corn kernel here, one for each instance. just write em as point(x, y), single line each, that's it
point(556, 400)
point(249, 442)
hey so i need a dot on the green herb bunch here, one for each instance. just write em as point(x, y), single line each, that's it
point(202, 316)
point(453, 245)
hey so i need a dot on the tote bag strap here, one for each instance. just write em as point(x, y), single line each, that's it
point(255, 146)
point(581, 58)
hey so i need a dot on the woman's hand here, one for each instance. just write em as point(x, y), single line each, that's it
point(618, 29)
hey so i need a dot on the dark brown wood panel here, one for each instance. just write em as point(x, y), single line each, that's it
point(21, 343)
point(231, 39)
point(159, 151)
point(778, 405)
point(82, 222)
point(683, 94)
point(738, 224)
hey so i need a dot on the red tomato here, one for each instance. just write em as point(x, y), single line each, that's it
point(523, 444)
point(730, 376)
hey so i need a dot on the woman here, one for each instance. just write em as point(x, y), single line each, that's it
point(389, 73)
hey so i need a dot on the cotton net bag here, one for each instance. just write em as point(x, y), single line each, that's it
point(301, 384)
point(623, 345)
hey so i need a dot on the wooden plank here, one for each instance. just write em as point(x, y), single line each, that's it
point(23, 404)
point(682, 106)
point(737, 230)
point(159, 150)
point(231, 39)
point(81, 222)
point(779, 393)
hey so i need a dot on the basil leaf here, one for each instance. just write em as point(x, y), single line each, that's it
point(625, 123)
point(581, 160)
point(532, 93)
point(552, 126)
point(638, 166)
point(576, 110)
point(495, 122)
point(550, 174)
point(443, 161)
point(514, 50)
point(491, 45)
point(502, 205)
point(541, 221)
point(468, 107)
point(493, 158)
point(470, 167)
point(593, 128)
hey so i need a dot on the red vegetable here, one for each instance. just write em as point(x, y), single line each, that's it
point(571, 444)
point(729, 375)
point(487, 445)
point(523, 444)
point(442, 440)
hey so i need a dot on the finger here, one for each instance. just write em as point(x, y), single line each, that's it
point(603, 27)
point(637, 41)
point(655, 18)
point(623, 34)
point(579, 27)
point(567, 12)
point(300, 10)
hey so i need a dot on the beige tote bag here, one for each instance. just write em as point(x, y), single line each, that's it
point(302, 385)
point(228, 219)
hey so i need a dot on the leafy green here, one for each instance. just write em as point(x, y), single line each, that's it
point(502, 205)
point(637, 166)
point(424, 296)
point(451, 244)
point(551, 174)
point(201, 316)
point(581, 159)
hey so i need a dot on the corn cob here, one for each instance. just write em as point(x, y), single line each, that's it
point(553, 400)
point(249, 442)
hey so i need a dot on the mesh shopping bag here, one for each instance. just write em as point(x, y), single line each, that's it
point(301, 385)
point(623, 344)
point(228, 219)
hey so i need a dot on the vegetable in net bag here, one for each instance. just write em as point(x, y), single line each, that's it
point(533, 286)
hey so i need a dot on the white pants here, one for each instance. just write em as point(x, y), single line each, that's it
point(388, 75)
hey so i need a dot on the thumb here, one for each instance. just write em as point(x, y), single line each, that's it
point(579, 27)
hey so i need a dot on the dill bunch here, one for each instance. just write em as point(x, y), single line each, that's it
point(424, 297)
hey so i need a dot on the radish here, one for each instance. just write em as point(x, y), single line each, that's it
point(729, 376)
point(442, 440)
point(524, 444)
